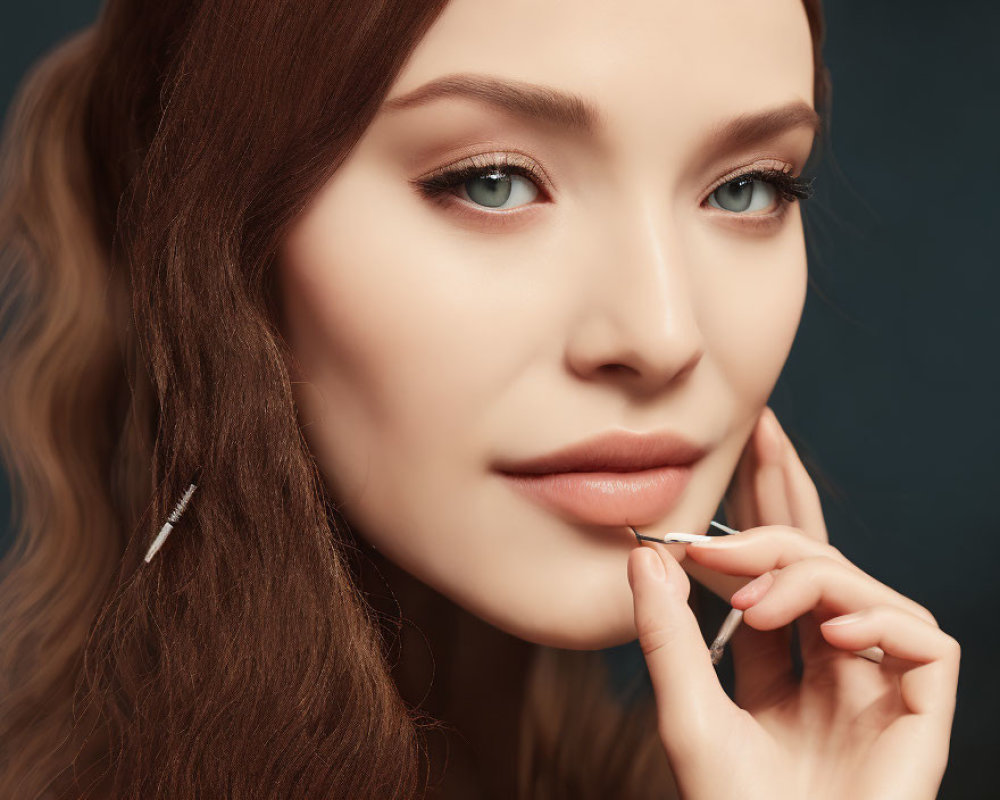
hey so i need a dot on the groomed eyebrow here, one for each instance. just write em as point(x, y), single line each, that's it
point(756, 127)
point(534, 102)
point(527, 100)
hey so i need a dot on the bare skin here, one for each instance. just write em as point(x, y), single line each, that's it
point(435, 336)
point(613, 288)
point(850, 727)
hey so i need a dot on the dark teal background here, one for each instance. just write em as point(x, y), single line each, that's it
point(892, 383)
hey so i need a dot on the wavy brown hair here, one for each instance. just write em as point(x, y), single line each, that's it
point(150, 166)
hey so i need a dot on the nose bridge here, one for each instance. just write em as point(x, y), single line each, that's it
point(642, 309)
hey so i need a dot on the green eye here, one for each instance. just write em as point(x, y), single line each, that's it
point(759, 190)
point(744, 193)
point(498, 182)
point(494, 188)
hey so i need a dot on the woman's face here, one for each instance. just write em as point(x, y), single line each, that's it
point(610, 278)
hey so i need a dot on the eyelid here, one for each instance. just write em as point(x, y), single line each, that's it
point(500, 158)
point(436, 186)
point(773, 163)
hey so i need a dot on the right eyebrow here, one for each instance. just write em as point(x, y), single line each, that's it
point(527, 100)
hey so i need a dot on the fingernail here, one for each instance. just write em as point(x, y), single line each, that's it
point(652, 564)
point(753, 591)
point(720, 542)
point(846, 619)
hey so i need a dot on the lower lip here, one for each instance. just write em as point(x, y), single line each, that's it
point(608, 498)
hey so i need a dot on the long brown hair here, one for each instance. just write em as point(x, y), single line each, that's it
point(150, 165)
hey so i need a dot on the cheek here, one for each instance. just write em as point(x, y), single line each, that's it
point(753, 309)
point(396, 337)
point(363, 327)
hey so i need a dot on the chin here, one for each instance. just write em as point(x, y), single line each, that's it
point(573, 631)
point(572, 619)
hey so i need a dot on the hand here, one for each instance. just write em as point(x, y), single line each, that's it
point(849, 727)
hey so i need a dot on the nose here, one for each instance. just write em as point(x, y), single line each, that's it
point(638, 322)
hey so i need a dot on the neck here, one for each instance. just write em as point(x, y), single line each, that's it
point(456, 668)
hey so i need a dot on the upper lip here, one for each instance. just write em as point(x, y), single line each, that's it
point(617, 451)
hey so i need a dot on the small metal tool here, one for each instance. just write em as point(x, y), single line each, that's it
point(735, 615)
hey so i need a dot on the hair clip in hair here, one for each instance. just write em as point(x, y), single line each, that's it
point(175, 515)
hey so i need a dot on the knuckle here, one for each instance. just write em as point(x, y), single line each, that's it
point(892, 609)
point(796, 539)
point(653, 635)
point(814, 566)
point(883, 612)
point(809, 490)
point(830, 552)
point(835, 554)
point(651, 642)
point(904, 603)
point(923, 611)
point(771, 533)
point(953, 648)
point(788, 533)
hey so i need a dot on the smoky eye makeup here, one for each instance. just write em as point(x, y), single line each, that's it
point(490, 177)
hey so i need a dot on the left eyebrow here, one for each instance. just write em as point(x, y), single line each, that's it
point(761, 126)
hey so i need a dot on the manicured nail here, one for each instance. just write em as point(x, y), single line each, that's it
point(720, 542)
point(753, 591)
point(846, 619)
point(652, 564)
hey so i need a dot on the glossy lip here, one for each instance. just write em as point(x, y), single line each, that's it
point(617, 451)
point(620, 478)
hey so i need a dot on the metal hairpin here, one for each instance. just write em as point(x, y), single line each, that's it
point(735, 615)
point(175, 515)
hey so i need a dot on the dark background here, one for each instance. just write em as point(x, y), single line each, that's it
point(892, 382)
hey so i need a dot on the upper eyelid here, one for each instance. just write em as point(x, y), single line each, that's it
point(496, 158)
point(513, 158)
point(776, 164)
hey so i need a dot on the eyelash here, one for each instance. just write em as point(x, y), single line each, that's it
point(790, 188)
point(440, 182)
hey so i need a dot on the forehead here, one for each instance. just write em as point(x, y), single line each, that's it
point(656, 65)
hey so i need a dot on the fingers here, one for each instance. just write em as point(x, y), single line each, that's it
point(820, 583)
point(757, 550)
point(803, 497)
point(739, 503)
point(691, 703)
point(929, 687)
point(762, 660)
point(769, 482)
point(763, 671)
point(770, 485)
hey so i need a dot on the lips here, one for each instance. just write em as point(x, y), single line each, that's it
point(620, 478)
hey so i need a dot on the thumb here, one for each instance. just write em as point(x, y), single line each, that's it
point(692, 706)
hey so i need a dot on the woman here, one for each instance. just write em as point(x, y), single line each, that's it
point(369, 270)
